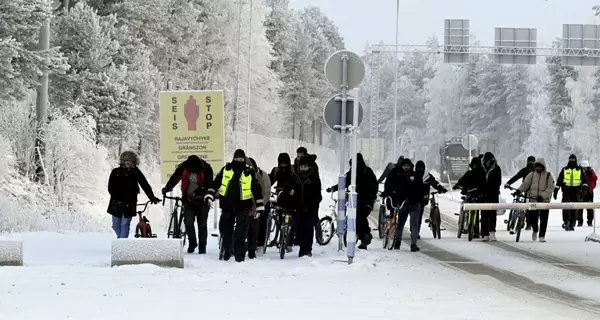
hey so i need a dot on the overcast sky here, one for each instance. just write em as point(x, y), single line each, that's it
point(375, 20)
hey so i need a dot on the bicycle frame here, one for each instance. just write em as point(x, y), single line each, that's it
point(469, 217)
point(176, 218)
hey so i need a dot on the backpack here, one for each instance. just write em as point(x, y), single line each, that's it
point(194, 189)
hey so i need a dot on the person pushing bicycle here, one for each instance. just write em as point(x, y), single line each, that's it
point(196, 177)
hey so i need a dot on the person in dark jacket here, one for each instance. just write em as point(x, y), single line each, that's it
point(572, 180)
point(281, 175)
point(387, 170)
point(428, 182)
point(521, 175)
point(239, 189)
point(303, 195)
point(124, 186)
point(366, 193)
point(471, 182)
point(302, 152)
point(490, 175)
point(588, 195)
point(196, 177)
point(405, 188)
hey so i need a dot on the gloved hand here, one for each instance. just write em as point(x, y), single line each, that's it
point(516, 193)
point(455, 187)
point(328, 190)
point(555, 193)
point(154, 200)
point(259, 210)
point(539, 199)
point(165, 190)
point(444, 190)
point(209, 198)
point(507, 186)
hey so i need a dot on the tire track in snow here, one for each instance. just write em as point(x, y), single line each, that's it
point(506, 280)
point(572, 266)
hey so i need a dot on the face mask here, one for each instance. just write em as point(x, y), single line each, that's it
point(539, 169)
point(530, 165)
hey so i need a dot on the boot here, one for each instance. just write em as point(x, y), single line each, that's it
point(251, 254)
point(589, 223)
point(396, 245)
point(192, 248)
point(226, 256)
point(534, 236)
point(414, 248)
point(202, 250)
point(362, 246)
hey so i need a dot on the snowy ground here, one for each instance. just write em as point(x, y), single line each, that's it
point(67, 277)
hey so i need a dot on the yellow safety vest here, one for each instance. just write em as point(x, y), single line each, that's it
point(245, 184)
point(572, 177)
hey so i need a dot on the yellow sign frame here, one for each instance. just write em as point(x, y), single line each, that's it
point(191, 123)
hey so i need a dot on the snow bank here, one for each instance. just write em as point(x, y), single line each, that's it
point(11, 253)
point(160, 252)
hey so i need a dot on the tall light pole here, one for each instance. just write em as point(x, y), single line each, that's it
point(237, 74)
point(394, 137)
point(249, 77)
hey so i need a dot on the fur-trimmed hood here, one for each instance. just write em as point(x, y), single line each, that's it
point(129, 156)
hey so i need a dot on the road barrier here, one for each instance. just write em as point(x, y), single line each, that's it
point(594, 237)
point(11, 253)
point(160, 252)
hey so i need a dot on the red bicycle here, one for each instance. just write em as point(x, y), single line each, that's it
point(143, 228)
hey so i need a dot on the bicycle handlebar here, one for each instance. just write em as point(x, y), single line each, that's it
point(145, 206)
point(165, 197)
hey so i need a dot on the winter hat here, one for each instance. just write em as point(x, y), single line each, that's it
point(572, 157)
point(531, 159)
point(488, 156)
point(400, 159)
point(239, 153)
point(585, 164)
point(253, 163)
point(129, 156)
point(284, 158)
point(420, 165)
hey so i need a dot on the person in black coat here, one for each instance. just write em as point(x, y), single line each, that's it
point(366, 189)
point(472, 182)
point(489, 179)
point(196, 177)
point(239, 189)
point(405, 188)
point(281, 175)
point(124, 186)
point(303, 195)
point(428, 182)
point(302, 152)
point(387, 170)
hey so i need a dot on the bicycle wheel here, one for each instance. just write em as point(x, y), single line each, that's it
point(509, 221)
point(392, 237)
point(519, 227)
point(461, 224)
point(267, 234)
point(282, 243)
point(471, 227)
point(171, 230)
point(182, 233)
point(138, 231)
point(382, 220)
point(436, 222)
point(324, 231)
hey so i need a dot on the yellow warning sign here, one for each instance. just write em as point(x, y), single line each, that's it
point(191, 123)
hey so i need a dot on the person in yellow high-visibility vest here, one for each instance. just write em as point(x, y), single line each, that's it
point(239, 189)
point(571, 180)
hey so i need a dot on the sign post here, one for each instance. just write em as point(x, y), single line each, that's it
point(191, 123)
point(345, 71)
point(470, 142)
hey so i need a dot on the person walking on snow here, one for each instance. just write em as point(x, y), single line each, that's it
point(491, 175)
point(539, 186)
point(255, 217)
point(405, 188)
point(588, 195)
point(521, 175)
point(239, 189)
point(196, 177)
point(303, 195)
point(124, 186)
point(428, 182)
point(366, 189)
point(572, 181)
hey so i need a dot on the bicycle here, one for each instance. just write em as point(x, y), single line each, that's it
point(176, 227)
point(435, 218)
point(381, 219)
point(471, 217)
point(518, 217)
point(331, 228)
point(143, 228)
point(284, 236)
point(272, 224)
point(391, 225)
point(513, 215)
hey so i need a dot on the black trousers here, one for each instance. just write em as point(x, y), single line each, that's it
point(199, 213)
point(588, 197)
point(488, 222)
point(570, 216)
point(542, 216)
point(362, 223)
point(239, 218)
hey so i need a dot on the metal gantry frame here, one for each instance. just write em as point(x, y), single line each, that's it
point(375, 52)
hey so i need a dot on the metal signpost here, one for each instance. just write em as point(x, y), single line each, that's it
point(470, 142)
point(345, 71)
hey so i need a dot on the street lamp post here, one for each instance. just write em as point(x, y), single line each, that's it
point(394, 138)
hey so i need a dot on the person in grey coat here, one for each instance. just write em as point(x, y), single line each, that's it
point(265, 184)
